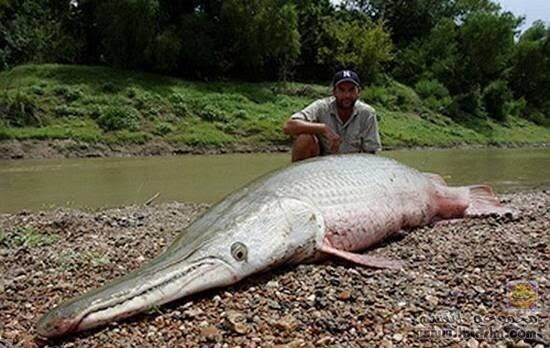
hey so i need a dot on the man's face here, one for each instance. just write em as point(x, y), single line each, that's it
point(346, 94)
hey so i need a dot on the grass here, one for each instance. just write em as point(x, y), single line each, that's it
point(97, 104)
point(26, 237)
point(70, 260)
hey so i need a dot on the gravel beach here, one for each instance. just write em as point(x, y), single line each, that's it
point(454, 291)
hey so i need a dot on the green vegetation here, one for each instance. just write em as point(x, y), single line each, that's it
point(70, 260)
point(465, 59)
point(98, 104)
point(26, 237)
point(472, 48)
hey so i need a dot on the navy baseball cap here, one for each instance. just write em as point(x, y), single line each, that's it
point(346, 76)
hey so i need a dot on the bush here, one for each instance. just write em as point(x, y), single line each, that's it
point(211, 114)
point(240, 114)
point(60, 90)
point(434, 94)
point(467, 104)
point(540, 117)
point(19, 110)
point(36, 90)
point(117, 118)
point(405, 97)
point(377, 95)
point(131, 92)
point(495, 96)
point(431, 88)
point(163, 128)
point(393, 96)
point(516, 108)
point(70, 94)
point(181, 109)
point(109, 87)
point(67, 111)
point(298, 91)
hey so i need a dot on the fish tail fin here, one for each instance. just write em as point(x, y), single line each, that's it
point(483, 202)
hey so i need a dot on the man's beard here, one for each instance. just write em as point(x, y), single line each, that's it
point(341, 105)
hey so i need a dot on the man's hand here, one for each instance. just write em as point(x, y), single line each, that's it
point(333, 139)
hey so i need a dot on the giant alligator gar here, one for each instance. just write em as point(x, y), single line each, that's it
point(334, 205)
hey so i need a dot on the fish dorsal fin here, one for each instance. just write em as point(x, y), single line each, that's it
point(363, 260)
point(436, 178)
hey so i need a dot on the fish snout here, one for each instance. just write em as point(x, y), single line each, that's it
point(55, 324)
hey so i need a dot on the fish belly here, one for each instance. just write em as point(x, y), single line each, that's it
point(363, 199)
point(377, 213)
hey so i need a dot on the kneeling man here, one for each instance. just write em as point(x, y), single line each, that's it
point(337, 124)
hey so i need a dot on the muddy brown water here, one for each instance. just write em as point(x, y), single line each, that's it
point(108, 182)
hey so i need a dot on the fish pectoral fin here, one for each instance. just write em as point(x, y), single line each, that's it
point(364, 260)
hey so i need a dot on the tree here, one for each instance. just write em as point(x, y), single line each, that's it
point(127, 30)
point(313, 15)
point(200, 53)
point(434, 57)
point(407, 20)
point(362, 47)
point(486, 43)
point(530, 72)
point(34, 31)
point(259, 34)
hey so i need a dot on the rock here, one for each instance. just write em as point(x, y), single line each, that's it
point(344, 295)
point(210, 333)
point(472, 343)
point(432, 300)
point(273, 284)
point(323, 341)
point(236, 321)
point(397, 337)
point(274, 304)
point(299, 343)
point(308, 310)
point(521, 344)
point(386, 344)
point(288, 323)
point(192, 313)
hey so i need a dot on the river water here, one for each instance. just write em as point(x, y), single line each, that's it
point(109, 182)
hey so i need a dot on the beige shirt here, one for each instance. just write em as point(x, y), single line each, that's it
point(358, 134)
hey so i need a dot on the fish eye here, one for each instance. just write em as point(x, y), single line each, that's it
point(239, 251)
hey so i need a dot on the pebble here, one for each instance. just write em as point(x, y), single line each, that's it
point(288, 323)
point(472, 343)
point(397, 337)
point(344, 295)
point(386, 344)
point(210, 332)
point(334, 303)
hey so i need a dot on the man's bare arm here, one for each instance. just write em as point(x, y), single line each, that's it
point(296, 127)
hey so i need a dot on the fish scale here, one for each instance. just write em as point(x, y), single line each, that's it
point(328, 206)
point(342, 186)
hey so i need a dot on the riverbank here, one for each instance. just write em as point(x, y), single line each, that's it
point(45, 149)
point(80, 111)
point(458, 279)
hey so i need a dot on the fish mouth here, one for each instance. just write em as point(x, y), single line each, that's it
point(134, 293)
